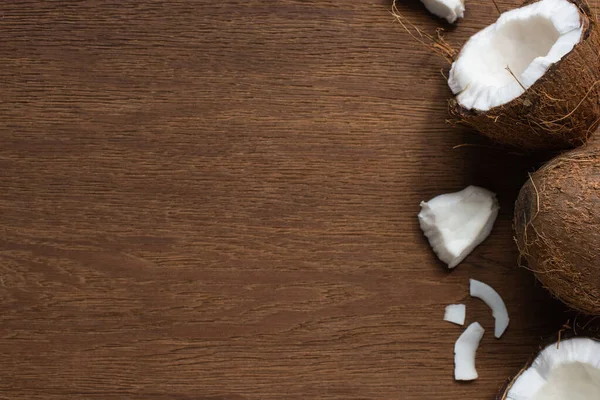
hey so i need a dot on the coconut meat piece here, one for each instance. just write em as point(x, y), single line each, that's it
point(448, 9)
point(455, 313)
point(567, 371)
point(464, 352)
point(494, 302)
point(456, 223)
point(497, 63)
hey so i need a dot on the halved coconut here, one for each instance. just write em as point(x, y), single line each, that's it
point(569, 370)
point(530, 80)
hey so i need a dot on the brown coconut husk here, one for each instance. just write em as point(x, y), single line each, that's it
point(557, 226)
point(435, 43)
point(561, 110)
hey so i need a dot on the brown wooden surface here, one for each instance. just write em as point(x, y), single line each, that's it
point(217, 200)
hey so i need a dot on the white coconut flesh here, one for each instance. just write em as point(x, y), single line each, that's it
point(569, 371)
point(448, 9)
point(498, 63)
point(455, 313)
point(464, 352)
point(494, 302)
point(456, 223)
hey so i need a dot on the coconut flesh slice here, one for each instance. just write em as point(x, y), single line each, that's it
point(529, 79)
point(494, 302)
point(464, 352)
point(448, 9)
point(456, 223)
point(455, 313)
point(569, 370)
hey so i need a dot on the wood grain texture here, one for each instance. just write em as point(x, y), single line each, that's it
point(217, 201)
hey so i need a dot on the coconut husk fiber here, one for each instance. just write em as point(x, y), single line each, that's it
point(559, 111)
point(557, 226)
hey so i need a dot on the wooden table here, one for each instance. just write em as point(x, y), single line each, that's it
point(217, 200)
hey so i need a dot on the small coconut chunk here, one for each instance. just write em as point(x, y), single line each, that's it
point(448, 9)
point(569, 370)
point(498, 63)
point(456, 223)
point(464, 352)
point(455, 313)
point(494, 301)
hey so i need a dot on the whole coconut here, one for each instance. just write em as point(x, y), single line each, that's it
point(557, 225)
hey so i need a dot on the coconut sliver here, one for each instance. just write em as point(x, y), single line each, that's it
point(456, 223)
point(569, 370)
point(448, 9)
point(500, 62)
point(464, 352)
point(455, 313)
point(494, 301)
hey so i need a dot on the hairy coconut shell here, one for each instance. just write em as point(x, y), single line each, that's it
point(559, 111)
point(557, 225)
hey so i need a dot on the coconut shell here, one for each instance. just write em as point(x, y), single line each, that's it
point(557, 226)
point(559, 111)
